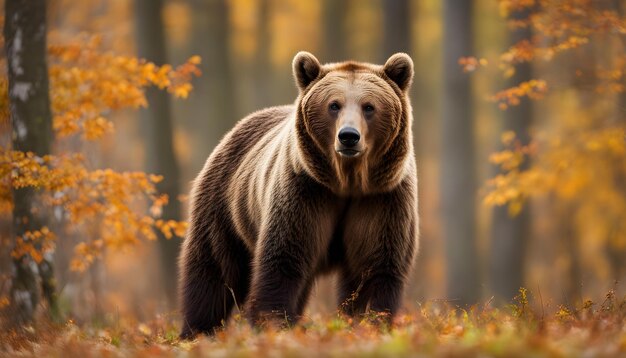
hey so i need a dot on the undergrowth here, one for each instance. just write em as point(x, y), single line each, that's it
point(525, 328)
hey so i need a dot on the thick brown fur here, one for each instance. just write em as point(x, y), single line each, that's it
point(277, 204)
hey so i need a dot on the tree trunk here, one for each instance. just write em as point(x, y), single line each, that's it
point(509, 235)
point(212, 103)
point(397, 27)
point(615, 254)
point(262, 65)
point(157, 124)
point(335, 37)
point(457, 168)
point(25, 34)
point(573, 276)
point(221, 110)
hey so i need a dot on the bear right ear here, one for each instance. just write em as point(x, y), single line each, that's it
point(306, 68)
point(399, 68)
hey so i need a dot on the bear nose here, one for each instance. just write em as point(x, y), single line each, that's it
point(349, 136)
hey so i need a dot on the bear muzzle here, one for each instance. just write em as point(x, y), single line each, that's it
point(348, 145)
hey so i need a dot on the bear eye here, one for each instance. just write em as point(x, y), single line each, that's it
point(368, 109)
point(334, 106)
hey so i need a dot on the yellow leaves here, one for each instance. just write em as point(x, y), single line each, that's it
point(507, 159)
point(66, 125)
point(34, 243)
point(105, 201)
point(512, 96)
point(85, 254)
point(105, 206)
point(556, 27)
point(182, 90)
point(155, 179)
point(87, 83)
point(571, 42)
point(523, 51)
point(587, 166)
point(505, 188)
point(564, 314)
point(48, 172)
point(157, 205)
point(470, 64)
point(521, 309)
point(181, 77)
point(611, 78)
point(515, 207)
point(507, 137)
point(95, 128)
point(160, 76)
point(195, 60)
point(168, 227)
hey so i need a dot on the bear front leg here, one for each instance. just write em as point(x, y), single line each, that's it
point(381, 242)
point(385, 294)
point(375, 289)
point(297, 227)
point(352, 301)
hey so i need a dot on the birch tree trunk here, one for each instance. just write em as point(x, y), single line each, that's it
point(25, 34)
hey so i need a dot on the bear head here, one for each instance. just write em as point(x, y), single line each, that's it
point(354, 121)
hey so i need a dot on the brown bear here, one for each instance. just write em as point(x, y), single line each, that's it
point(292, 192)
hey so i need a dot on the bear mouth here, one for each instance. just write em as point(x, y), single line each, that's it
point(350, 153)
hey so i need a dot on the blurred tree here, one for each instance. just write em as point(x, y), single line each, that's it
point(220, 112)
point(335, 37)
point(262, 66)
point(397, 27)
point(617, 253)
point(102, 205)
point(159, 132)
point(212, 107)
point(510, 233)
point(579, 158)
point(31, 119)
point(457, 162)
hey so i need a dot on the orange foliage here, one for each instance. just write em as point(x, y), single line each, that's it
point(105, 206)
point(511, 96)
point(26, 244)
point(580, 159)
point(560, 26)
point(471, 63)
point(88, 83)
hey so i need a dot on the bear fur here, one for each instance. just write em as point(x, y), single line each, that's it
point(281, 200)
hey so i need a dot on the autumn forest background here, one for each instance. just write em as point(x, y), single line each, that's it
point(109, 108)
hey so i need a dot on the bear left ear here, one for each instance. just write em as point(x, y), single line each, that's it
point(306, 68)
point(399, 68)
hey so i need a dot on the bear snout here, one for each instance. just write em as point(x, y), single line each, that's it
point(349, 136)
point(348, 146)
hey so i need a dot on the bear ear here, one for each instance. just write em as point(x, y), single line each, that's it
point(399, 68)
point(306, 68)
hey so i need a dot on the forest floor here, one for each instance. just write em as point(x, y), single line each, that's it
point(435, 329)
